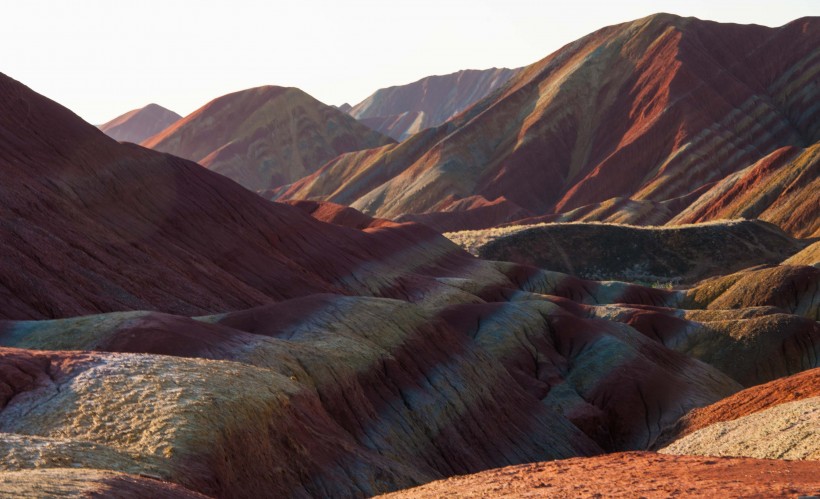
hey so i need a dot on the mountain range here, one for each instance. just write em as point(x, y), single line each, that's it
point(166, 331)
point(634, 123)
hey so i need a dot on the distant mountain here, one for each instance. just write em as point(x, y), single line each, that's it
point(139, 124)
point(265, 137)
point(403, 110)
point(630, 124)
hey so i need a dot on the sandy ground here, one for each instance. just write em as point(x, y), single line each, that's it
point(634, 474)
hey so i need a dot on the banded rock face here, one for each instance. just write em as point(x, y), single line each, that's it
point(265, 137)
point(403, 110)
point(632, 123)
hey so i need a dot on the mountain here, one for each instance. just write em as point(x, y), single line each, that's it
point(160, 322)
point(630, 124)
point(403, 110)
point(139, 124)
point(264, 137)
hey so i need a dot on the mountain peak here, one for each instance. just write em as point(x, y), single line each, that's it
point(139, 124)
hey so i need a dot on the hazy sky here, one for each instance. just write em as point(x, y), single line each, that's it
point(101, 58)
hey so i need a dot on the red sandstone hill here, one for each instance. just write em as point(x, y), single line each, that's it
point(139, 124)
point(265, 137)
point(403, 110)
point(632, 123)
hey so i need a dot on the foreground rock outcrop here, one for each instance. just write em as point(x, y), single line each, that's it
point(775, 420)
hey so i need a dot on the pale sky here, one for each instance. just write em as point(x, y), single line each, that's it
point(101, 58)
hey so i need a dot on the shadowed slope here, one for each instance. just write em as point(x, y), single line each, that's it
point(265, 137)
point(403, 110)
point(649, 112)
point(139, 124)
point(606, 251)
point(90, 225)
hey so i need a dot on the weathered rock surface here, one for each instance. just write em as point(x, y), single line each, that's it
point(785, 431)
point(633, 474)
point(808, 256)
point(633, 123)
point(403, 110)
point(139, 124)
point(749, 401)
point(265, 137)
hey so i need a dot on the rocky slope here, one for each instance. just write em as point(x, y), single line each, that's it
point(757, 399)
point(139, 124)
point(265, 137)
point(632, 123)
point(403, 110)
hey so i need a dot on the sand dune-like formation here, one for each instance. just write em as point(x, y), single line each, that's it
point(786, 431)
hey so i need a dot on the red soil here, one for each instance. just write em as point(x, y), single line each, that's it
point(634, 474)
